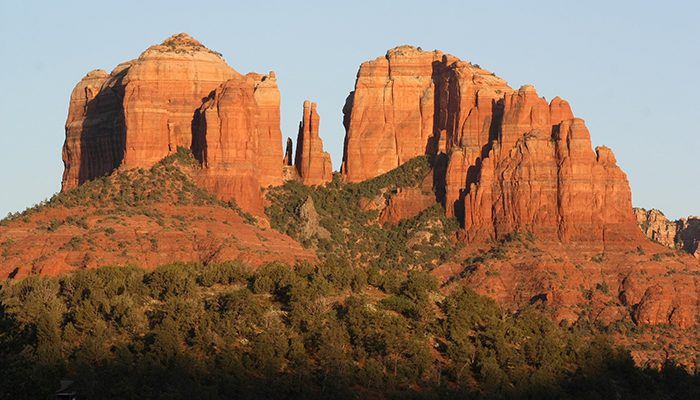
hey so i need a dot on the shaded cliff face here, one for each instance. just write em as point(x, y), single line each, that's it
point(506, 160)
point(147, 107)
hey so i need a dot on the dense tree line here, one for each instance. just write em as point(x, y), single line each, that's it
point(187, 330)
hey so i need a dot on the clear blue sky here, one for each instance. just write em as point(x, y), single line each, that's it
point(629, 68)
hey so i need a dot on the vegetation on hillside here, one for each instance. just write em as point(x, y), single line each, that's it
point(356, 235)
point(134, 191)
point(308, 331)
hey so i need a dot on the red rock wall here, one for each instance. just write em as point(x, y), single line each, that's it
point(542, 176)
point(391, 118)
point(267, 97)
point(312, 163)
point(407, 203)
point(411, 103)
point(163, 89)
point(230, 145)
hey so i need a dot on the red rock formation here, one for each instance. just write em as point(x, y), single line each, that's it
point(229, 144)
point(147, 107)
point(667, 305)
point(412, 102)
point(656, 226)
point(551, 184)
point(95, 134)
point(140, 112)
point(513, 161)
point(312, 163)
point(406, 203)
point(267, 97)
point(288, 153)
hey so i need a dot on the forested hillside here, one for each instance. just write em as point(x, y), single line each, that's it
point(190, 331)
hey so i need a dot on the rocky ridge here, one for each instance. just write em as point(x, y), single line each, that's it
point(144, 217)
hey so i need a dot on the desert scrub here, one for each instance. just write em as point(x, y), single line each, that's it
point(598, 258)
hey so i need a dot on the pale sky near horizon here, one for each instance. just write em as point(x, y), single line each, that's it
point(628, 68)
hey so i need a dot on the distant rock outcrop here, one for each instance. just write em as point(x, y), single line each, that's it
point(312, 163)
point(656, 226)
point(690, 235)
point(147, 107)
point(683, 234)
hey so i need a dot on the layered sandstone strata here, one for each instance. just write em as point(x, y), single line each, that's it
point(505, 160)
point(228, 144)
point(312, 163)
point(148, 107)
point(542, 176)
point(413, 102)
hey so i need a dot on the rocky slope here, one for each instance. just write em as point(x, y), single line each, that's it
point(142, 217)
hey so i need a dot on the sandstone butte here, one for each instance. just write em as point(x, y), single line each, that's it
point(506, 160)
point(178, 93)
